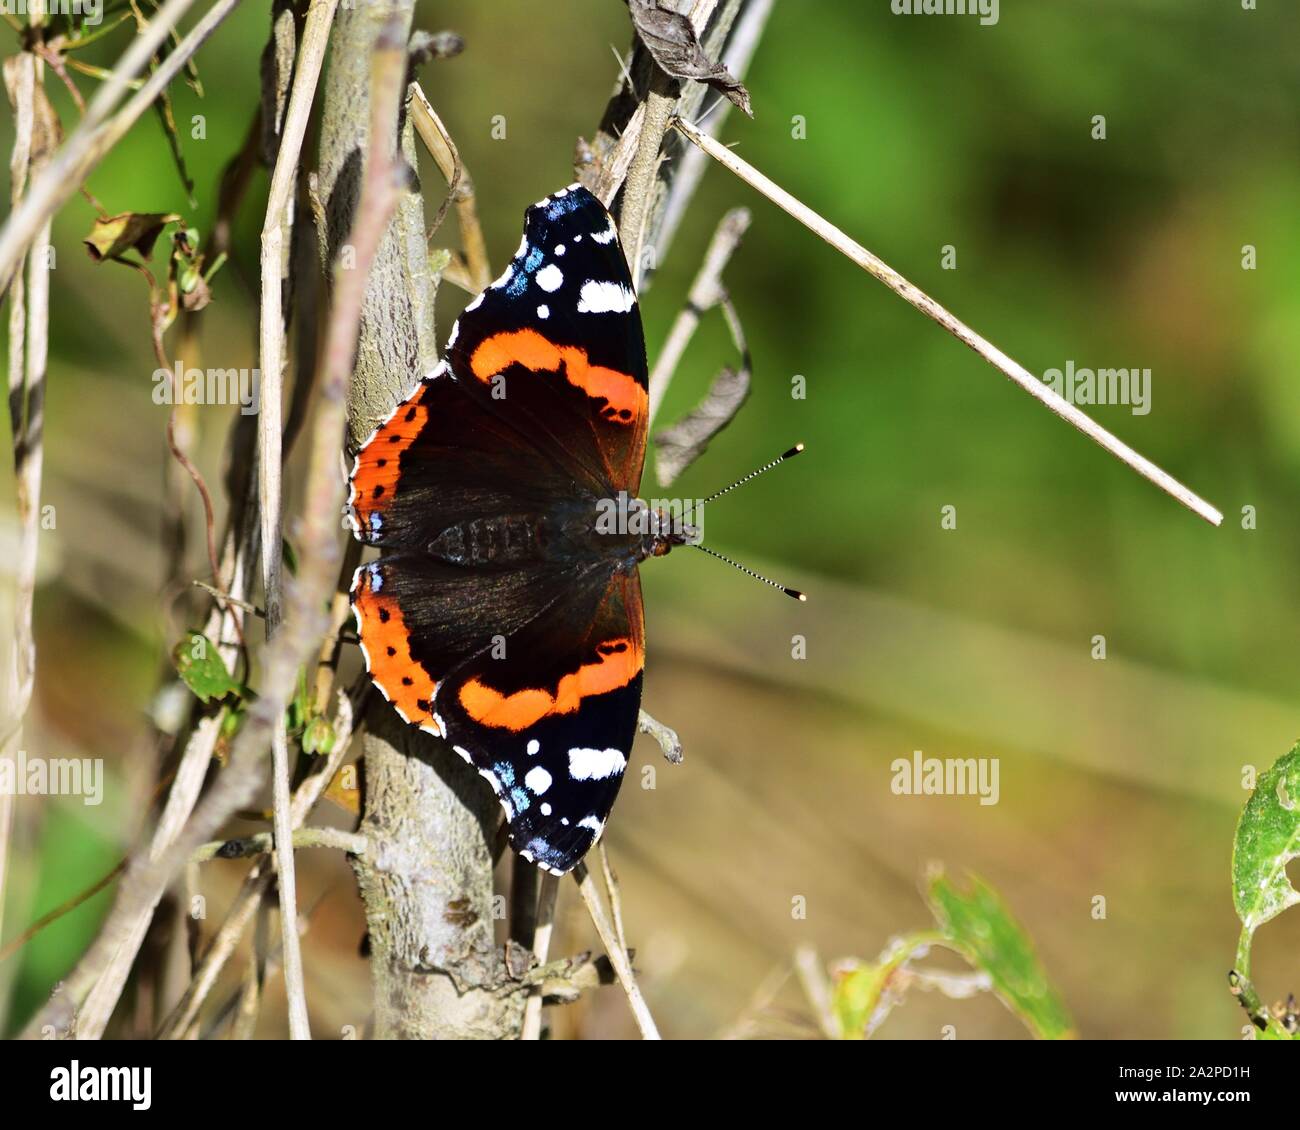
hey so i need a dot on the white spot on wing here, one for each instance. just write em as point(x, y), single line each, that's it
point(550, 278)
point(543, 311)
point(595, 764)
point(594, 824)
point(560, 249)
point(606, 236)
point(600, 297)
point(534, 747)
point(537, 779)
point(545, 809)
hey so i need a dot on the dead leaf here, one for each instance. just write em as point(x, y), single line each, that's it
point(677, 447)
point(671, 40)
point(112, 236)
point(343, 790)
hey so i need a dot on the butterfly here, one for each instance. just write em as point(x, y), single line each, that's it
point(505, 614)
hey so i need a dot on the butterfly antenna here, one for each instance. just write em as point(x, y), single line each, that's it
point(748, 571)
point(795, 450)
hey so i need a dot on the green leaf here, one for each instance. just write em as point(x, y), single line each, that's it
point(857, 998)
point(201, 668)
point(301, 707)
point(978, 924)
point(1268, 838)
point(318, 736)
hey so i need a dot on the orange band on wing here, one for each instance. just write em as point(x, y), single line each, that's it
point(387, 646)
point(375, 479)
point(619, 662)
point(625, 399)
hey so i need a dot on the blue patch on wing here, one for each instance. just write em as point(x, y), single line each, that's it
point(524, 272)
point(563, 205)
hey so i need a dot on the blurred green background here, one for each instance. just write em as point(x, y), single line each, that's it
point(1120, 778)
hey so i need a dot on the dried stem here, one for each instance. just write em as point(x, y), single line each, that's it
point(545, 927)
point(884, 273)
point(276, 241)
point(460, 185)
point(705, 292)
point(262, 842)
point(666, 736)
point(256, 884)
point(28, 352)
point(618, 955)
point(294, 645)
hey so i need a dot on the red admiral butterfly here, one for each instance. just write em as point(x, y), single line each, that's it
point(504, 616)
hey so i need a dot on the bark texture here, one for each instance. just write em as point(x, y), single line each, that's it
point(427, 878)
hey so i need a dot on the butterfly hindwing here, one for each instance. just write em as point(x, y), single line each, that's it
point(550, 717)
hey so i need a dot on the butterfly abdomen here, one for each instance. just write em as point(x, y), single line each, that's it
point(506, 539)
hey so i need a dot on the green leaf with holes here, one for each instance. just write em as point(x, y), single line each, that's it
point(1268, 838)
point(978, 924)
point(201, 668)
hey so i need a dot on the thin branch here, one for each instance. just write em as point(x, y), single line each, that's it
point(666, 736)
point(256, 883)
point(618, 956)
point(447, 157)
point(262, 842)
point(884, 273)
point(642, 174)
point(28, 349)
point(706, 292)
point(741, 43)
point(612, 894)
point(545, 927)
point(816, 987)
point(279, 220)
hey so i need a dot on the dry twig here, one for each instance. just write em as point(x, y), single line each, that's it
point(618, 955)
point(914, 296)
point(275, 243)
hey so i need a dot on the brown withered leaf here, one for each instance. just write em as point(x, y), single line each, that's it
point(678, 446)
point(112, 236)
point(343, 790)
point(671, 39)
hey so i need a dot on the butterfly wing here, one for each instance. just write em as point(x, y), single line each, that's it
point(444, 457)
point(533, 676)
point(550, 719)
